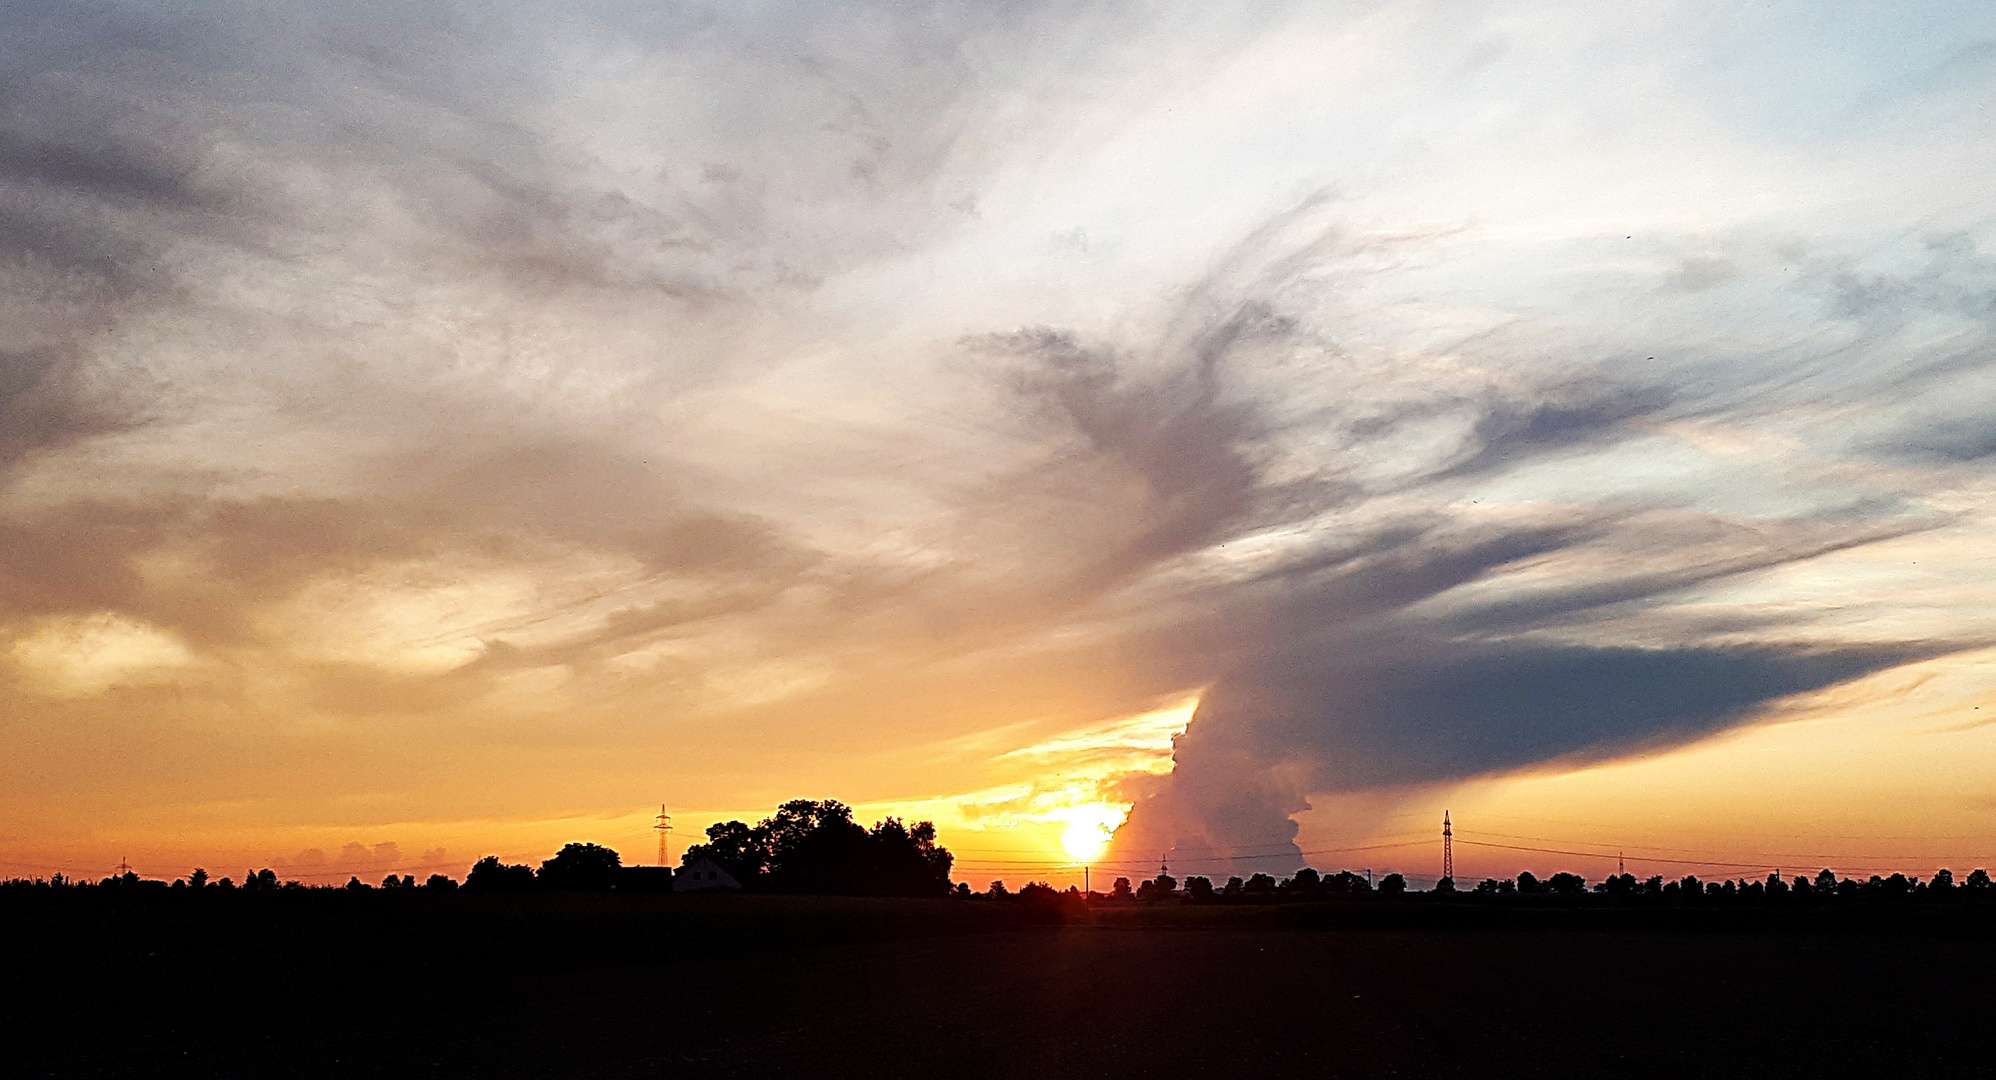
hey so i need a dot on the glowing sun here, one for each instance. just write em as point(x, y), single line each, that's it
point(1089, 829)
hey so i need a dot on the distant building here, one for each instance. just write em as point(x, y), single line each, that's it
point(703, 875)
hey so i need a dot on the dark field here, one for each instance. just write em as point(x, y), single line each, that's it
point(330, 984)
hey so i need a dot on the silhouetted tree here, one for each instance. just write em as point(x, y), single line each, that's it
point(355, 884)
point(1943, 880)
point(997, 890)
point(1346, 883)
point(1121, 890)
point(1393, 885)
point(906, 860)
point(1233, 887)
point(1978, 880)
point(1529, 883)
point(1199, 890)
point(1306, 884)
point(580, 868)
point(259, 880)
point(440, 882)
point(1566, 884)
point(1619, 885)
point(1041, 903)
point(816, 847)
point(1259, 885)
point(490, 875)
point(1161, 887)
point(742, 850)
point(198, 879)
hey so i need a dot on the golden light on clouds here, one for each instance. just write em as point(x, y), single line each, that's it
point(1062, 799)
point(84, 657)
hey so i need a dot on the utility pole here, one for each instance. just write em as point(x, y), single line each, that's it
point(1085, 887)
point(1448, 848)
point(664, 829)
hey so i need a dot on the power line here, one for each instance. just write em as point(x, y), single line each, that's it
point(1769, 865)
point(1771, 856)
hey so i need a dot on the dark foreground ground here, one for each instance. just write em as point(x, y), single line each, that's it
point(334, 985)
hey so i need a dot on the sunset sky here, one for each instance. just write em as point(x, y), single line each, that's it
point(438, 429)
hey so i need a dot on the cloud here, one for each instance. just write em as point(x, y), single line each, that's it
point(86, 656)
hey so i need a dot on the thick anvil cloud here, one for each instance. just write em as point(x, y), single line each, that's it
point(476, 411)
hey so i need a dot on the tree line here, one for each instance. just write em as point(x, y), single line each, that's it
point(575, 868)
point(807, 846)
point(1307, 884)
point(815, 847)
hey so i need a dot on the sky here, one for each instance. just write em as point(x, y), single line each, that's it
point(1224, 435)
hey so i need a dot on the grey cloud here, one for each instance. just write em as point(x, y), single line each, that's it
point(102, 169)
point(1412, 711)
point(1370, 663)
point(1700, 273)
point(1173, 437)
point(1559, 418)
point(45, 403)
point(1949, 440)
point(1334, 677)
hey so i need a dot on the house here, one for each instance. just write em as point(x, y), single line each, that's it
point(703, 875)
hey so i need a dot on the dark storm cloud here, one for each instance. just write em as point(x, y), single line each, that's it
point(1420, 711)
point(1362, 662)
point(1334, 680)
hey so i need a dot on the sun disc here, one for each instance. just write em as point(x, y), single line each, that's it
point(1088, 833)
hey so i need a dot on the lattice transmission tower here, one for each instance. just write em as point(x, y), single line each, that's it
point(1448, 848)
point(664, 828)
